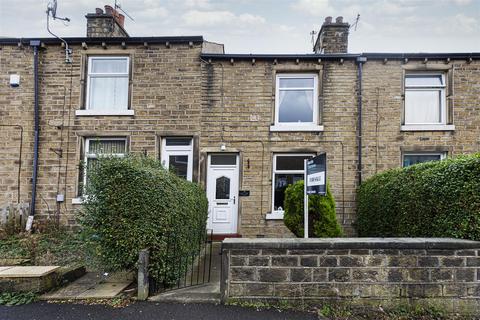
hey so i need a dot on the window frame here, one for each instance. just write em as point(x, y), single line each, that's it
point(105, 109)
point(442, 154)
point(278, 214)
point(87, 155)
point(443, 99)
point(177, 150)
point(297, 126)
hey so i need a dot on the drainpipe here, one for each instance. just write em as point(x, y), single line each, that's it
point(35, 44)
point(360, 62)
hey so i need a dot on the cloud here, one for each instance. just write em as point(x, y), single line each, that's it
point(462, 2)
point(204, 4)
point(314, 7)
point(195, 18)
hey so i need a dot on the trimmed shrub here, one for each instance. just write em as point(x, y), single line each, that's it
point(134, 203)
point(433, 199)
point(321, 213)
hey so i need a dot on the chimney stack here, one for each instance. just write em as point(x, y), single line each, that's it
point(106, 24)
point(333, 36)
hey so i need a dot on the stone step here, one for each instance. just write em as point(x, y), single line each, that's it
point(28, 278)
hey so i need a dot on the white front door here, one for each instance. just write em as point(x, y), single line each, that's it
point(222, 193)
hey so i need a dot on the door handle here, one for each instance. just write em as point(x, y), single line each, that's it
point(233, 199)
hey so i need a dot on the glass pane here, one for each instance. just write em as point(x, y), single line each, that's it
point(296, 106)
point(296, 82)
point(422, 106)
point(223, 159)
point(282, 181)
point(179, 165)
point(178, 141)
point(109, 65)
point(108, 93)
point(423, 80)
point(410, 159)
point(106, 146)
point(291, 162)
point(222, 188)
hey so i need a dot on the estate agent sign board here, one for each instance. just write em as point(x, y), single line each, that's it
point(315, 182)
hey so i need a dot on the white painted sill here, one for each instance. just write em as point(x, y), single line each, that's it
point(275, 215)
point(77, 200)
point(286, 128)
point(87, 112)
point(428, 127)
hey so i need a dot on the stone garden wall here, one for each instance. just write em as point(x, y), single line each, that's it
point(359, 271)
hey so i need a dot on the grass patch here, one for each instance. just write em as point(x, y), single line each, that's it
point(57, 247)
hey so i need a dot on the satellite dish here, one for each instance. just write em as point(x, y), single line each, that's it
point(52, 8)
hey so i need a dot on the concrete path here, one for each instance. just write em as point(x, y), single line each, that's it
point(146, 310)
point(93, 285)
point(208, 292)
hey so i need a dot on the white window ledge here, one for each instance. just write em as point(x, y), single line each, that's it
point(77, 200)
point(275, 215)
point(296, 127)
point(427, 127)
point(87, 112)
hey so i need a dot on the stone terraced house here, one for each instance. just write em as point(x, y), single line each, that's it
point(238, 124)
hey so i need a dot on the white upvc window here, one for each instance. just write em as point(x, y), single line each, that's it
point(425, 99)
point(177, 155)
point(288, 168)
point(107, 85)
point(411, 158)
point(98, 147)
point(296, 102)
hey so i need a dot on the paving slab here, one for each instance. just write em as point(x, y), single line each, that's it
point(27, 271)
point(93, 285)
point(104, 290)
point(4, 268)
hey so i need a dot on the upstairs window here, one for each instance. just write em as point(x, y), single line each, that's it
point(425, 99)
point(107, 84)
point(296, 101)
point(177, 155)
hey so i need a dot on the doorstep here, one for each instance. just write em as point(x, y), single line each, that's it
point(221, 236)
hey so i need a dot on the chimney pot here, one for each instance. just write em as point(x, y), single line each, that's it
point(339, 19)
point(120, 19)
point(328, 20)
point(108, 9)
point(98, 10)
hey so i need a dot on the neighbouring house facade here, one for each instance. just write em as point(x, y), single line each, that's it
point(238, 124)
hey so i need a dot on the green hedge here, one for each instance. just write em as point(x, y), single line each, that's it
point(134, 203)
point(433, 199)
point(322, 216)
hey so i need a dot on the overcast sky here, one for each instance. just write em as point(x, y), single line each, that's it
point(271, 26)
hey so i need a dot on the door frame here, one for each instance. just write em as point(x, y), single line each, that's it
point(236, 207)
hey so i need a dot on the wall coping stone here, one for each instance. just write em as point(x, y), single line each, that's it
point(349, 243)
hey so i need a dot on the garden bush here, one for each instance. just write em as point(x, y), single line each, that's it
point(433, 199)
point(321, 213)
point(134, 203)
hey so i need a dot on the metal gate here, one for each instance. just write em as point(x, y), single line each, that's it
point(185, 271)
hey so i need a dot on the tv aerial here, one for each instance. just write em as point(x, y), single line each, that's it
point(118, 7)
point(52, 12)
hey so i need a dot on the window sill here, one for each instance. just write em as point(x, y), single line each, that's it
point(104, 112)
point(275, 215)
point(77, 200)
point(428, 127)
point(282, 128)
